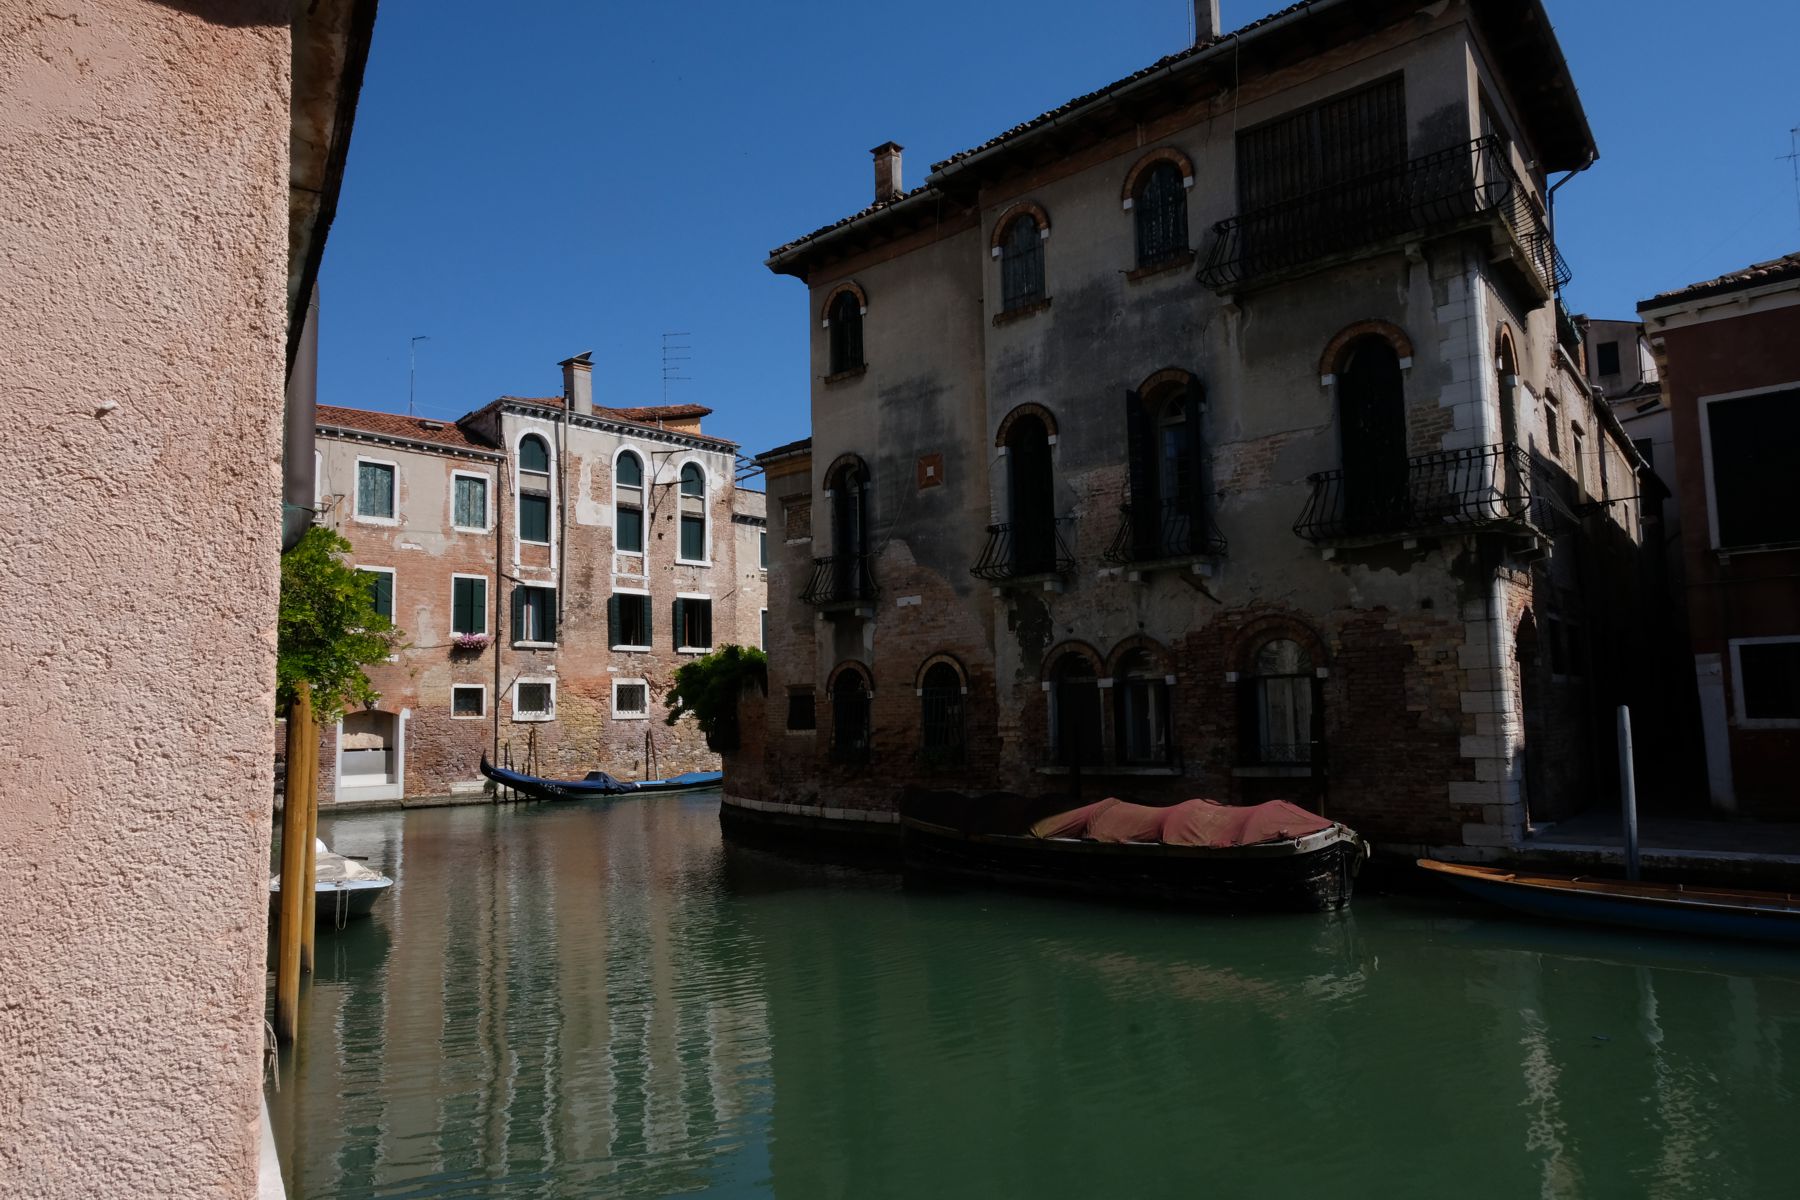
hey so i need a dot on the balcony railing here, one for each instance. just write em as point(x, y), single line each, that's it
point(1441, 190)
point(1026, 549)
point(841, 580)
point(1169, 532)
point(1442, 492)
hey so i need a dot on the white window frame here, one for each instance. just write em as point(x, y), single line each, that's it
point(706, 529)
point(643, 490)
point(393, 586)
point(356, 492)
point(556, 599)
point(632, 591)
point(618, 714)
point(697, 649)
point(463, 687)
point(517, 716)
point(1739, 717)
point(518, 484)
point(487, 604)
point(487, 492)
point(1706, 463)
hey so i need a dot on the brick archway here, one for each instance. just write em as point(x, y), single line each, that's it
point(1168, 377)
point(1029, 208)
point(1081, 649)
point(1336, 350)
point(944, 660)
point(842, 463)
point(853, 667)
point(1157, 652)
point(1025, 410)
point(1134, 178)
point(1256, 633)
point(848, 285)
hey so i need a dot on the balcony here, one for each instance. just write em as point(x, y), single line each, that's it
point(1465, 186)
point(1022, 552)
point(842, 583)
point(1494, 487)
point(1169, 536)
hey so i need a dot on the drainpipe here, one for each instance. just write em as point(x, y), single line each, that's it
point(299, 420)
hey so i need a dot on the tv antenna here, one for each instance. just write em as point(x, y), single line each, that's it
point(1793, 158)
point(412, 368)
point(674, 354)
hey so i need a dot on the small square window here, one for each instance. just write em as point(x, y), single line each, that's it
point(375, 490)
point(534, 614)
point(381, 589)
point(469, 505)
point(1609, 358)
point(628, 618)
point(534, 700)
point(1769, 680)
point(693, 623)
point(801, 714)
point(631, 699)
point(468, 701)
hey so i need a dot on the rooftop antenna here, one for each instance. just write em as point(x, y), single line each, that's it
point(412, 368)
point(673, 355)
point(1793, 157)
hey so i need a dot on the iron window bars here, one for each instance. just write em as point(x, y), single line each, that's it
point(1022, 549)
point(1443, 491)
point(1173, 530)
point(841, 579)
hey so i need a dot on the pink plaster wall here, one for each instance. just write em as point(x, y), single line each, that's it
point(143, 263)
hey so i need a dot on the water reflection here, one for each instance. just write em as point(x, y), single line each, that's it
point(576, 1001)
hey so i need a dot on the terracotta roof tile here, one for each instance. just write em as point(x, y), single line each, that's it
point(647, 416)
point(1774, 271)
point(396, 425)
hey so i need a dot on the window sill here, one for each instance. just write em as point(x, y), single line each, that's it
point(845, 376)
point(1727, 553)
point(1008, 316)
point(633, 649)
point(1285, 772)
point(634, 716)
point(800, 732)
point(468, 716)
point(534, 645)
point(471, 529)
point(1147, 270)
point(529, 542)
point(1112, 771)
point(532, 718)
point(693, 649)
point(693, 562)
point(362, 520)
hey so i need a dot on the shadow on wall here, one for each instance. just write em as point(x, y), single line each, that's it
point(235, 13)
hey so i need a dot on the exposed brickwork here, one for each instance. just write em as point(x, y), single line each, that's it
point(1162, 154)
point(1030, 208)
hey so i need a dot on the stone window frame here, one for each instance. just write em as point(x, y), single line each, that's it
point(674, 634)
point(393, 588)
point(487, 495)
point(1135, 180)
point(533, 716)
point(518, 489)
point(468, 687)
point(706, 529)
point(643, 505)
point(997, 241)
point(836, 372)
point(1741, 719)
point(486, 603)
point(624, 647)
point(1244, 647)
point(556, 607)
point(619, 714)
point(356, 511)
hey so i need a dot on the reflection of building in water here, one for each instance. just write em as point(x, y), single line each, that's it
point(563, 1000)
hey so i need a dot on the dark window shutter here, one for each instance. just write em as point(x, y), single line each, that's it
point(1140, 446)
point(706, 622)
point(552, 613)
point(518, 613)
point(1196, 497)
point(612, 621)
point(1249, 722)
point(384, 594)
point(645, 608)
point(680, 606)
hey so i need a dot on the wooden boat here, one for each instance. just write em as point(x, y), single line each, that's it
point(680, 783)
point(342, 887)
point(594, 784)
point(981, 839)
point(1658, 907)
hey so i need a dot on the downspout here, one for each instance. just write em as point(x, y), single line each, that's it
point(299, 481)
point(504, 490)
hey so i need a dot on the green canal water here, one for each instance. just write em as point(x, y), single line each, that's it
point(605, 1000)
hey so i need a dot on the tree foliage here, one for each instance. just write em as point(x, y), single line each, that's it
point(329, 629)
point(709, 686)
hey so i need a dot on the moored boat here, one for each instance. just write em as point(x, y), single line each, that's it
point(1266, 856)
point(594, 784)
point(342, 888)
point(680, 783)
point(1658, 907)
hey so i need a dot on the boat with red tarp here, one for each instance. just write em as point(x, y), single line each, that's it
point(1275, 855)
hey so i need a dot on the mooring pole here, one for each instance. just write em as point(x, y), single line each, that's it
point(1628, 794)
point(309, 791)
point(295, 850)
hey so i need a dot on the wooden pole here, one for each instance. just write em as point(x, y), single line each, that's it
point(295, 850)
point(309, 791)
point(1628, 794)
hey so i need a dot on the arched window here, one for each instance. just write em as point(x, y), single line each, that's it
point(534, 490)
point(1168, 513)
point(1075, 730)
point(693, 514)
point(1031, 495)
point(1160, 207)
point(1372, 425)
point(850, 488)
point(1141, 715)
point(941, 713)
point(1280, 712)
point(851, 701)
point(1021, 263)
point(846, 320)
point(628, 503)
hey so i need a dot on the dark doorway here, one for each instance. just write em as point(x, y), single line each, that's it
point(849, 530)
point(1032, 498)
point(1372, 414)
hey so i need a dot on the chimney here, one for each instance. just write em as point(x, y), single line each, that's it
point(887, 171)
point(1206, 21)
point(578, 383)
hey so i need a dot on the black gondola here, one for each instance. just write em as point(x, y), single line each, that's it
point(594, 784)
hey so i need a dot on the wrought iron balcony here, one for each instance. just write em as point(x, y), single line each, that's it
point(1169, 532)
point(1026, 550)
point(1447, 189)
point(1447, 491)
point(841, 581)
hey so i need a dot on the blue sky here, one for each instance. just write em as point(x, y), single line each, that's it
point(572, 176)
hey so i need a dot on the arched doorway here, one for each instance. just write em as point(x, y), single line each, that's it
point(1076, 736)
point(1031, 496)
point(1372, 423)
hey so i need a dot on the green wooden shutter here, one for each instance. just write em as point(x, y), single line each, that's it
point(552, 613)
point(680, 606)
point(518, 613)
point(612, 620)
point(646, 608)
point(706, 623)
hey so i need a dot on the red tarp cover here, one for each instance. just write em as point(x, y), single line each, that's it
point(1121, 822)
point(1071, 824)
point(1209, 823)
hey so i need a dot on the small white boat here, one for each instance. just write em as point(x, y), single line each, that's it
point(342, 887)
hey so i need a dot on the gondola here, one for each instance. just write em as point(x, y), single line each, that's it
point(688, 782)
point(1658, 907)
point(1199, 853)
point(594, 784)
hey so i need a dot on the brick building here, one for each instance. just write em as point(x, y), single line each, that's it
point(1311, 502)
point(551, 563)
point(1728, 351)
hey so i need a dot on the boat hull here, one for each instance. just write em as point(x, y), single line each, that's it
point(1312, 874)
point(552, 789)
point(335, 903)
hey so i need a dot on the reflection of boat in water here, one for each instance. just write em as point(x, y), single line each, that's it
point(594, 784)
point(342, 887)
point(1275, 855)
point(1659, 907)
point(691, 781)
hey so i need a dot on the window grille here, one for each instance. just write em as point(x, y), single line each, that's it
point(1021, 264)
point(467, 701)
point(1283, 705)
point(941, 713)
point(1160, 207)
point(631, 699)
point(534, 700)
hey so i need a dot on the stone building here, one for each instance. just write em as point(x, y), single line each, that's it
point(1728, 351)
point(1218, 433)
point(551, 563)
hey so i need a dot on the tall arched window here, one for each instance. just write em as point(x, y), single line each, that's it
point(1372, 424)
point(941, 713)
point(1160, 208)
point(852, 698)
point(534, 489)
point(1280, 717)
point(1167, 472)
point(1031, 497)
point(1021, 263)
point(845, 318)
point(693, 514)
point(850, 490)
point(1075, 730)
point(628, 503)
point(1141, 716)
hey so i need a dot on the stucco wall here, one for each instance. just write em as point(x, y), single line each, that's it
point(143, 237)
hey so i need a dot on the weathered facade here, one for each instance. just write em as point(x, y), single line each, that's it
point(1728, 351)
point(1217, 433)
point(551, 564)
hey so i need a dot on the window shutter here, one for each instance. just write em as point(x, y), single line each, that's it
point(1140, 446)
point(677, 631)
point(1197, 492)
point(459, 605)
point(518, 613)
point(552, 613)
point(646, 609)
point(706, 622)
point(384, 594)
point(1249, 722)
point(612, 621)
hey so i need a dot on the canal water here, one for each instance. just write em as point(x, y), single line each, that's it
point(604, 1000)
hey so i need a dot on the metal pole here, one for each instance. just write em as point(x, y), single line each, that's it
point(309, 792)
point(294, 848)
point(1628, 794)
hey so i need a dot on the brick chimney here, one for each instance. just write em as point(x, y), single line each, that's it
point(1206, 21)
point(887, 171)
point(578, 383)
